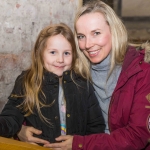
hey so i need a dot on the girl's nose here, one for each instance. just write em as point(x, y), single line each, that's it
point(60, 59)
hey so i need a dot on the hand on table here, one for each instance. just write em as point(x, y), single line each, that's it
point(26, 135)
point(65, 143)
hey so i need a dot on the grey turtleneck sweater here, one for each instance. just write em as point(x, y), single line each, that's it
point(104, 88)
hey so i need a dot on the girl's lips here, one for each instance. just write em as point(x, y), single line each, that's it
point(59, 66)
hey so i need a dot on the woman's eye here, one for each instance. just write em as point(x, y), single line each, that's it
point(80, 36)
point(96, 33)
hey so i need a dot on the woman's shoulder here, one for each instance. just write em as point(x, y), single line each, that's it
point(146, 47)
point(135, 50)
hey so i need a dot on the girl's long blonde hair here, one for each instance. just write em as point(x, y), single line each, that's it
point(34, 75)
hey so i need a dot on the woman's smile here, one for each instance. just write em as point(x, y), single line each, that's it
point(94, 36)
point(93, 53)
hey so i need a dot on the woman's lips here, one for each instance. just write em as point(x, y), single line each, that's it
point(93, 53)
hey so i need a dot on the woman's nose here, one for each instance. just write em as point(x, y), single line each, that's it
point(88, 43)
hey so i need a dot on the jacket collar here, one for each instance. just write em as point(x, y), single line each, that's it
point(146, 46)
point(51, 78)
point(131, 65)
point(131, 55)
point(133, 52)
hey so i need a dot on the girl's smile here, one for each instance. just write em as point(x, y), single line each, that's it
point(57, 56)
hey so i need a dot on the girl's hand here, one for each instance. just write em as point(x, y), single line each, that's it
point(65, 143)
point(26, 135)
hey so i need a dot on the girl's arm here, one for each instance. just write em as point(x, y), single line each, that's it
point(11, 117)
point(95, 120)
point(26, 135)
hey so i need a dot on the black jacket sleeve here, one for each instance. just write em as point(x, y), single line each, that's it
point(95, 120)
point(11, 117)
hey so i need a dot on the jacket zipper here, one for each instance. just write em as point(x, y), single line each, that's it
point(112, 99)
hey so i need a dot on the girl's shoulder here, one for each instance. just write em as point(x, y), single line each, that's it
point(19, 85)
point(84, 83)
point(20, 78)
point(79, 78)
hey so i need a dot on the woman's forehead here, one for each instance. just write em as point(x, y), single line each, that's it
point(91, 21)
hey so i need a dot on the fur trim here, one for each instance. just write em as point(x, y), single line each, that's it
point(146, 46)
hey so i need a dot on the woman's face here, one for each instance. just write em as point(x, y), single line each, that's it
point(94, 36)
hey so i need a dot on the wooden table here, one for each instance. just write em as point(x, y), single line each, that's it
point(11, 144)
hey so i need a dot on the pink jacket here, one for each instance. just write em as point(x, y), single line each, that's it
point(129, 112)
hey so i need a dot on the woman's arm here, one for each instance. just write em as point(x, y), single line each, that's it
point(134, 135)
point(65, 145)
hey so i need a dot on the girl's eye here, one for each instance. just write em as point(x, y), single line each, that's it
point(52, 52)
point(67, 53)
point(80, 36)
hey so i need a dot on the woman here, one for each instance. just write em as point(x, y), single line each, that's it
point(120, 74)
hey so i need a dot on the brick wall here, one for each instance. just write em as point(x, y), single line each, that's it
point(20, 23)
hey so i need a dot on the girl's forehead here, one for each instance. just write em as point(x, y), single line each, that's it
point(58, 42)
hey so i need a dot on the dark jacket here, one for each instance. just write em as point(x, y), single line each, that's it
point(83, 114)
point(129, 111)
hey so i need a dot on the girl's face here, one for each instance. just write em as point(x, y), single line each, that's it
point(94, 36)
point(57, 56)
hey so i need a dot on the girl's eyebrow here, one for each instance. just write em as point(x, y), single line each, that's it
point(79, 33)
point(52, 49)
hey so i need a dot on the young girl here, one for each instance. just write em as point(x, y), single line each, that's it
point(54, 95)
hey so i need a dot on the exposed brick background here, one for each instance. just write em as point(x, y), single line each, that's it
point(20, 23)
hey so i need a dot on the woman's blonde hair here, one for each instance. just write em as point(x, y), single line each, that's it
point(34, 75)
point(117, 28)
